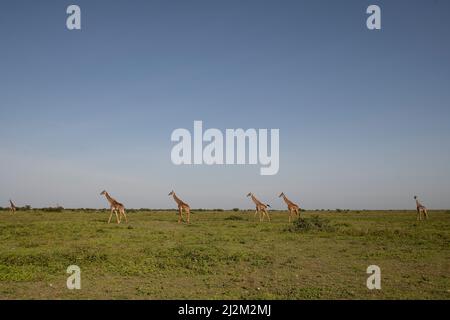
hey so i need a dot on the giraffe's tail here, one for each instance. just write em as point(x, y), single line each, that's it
point(268, 205)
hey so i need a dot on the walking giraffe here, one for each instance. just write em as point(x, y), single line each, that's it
point(12, 207)
point(181, 205)
point(420, 209)
point(261, 208)
point(115, 206)
point(292, 207)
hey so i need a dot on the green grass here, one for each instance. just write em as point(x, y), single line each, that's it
point(224, 255)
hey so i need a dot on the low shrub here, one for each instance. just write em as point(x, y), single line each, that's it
point(315, 223)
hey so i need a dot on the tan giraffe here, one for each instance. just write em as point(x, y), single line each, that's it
point(181, 205)
point(421, 209)
point(292, 207)
point(115, 206)
point(12, 207)
point(261, 208)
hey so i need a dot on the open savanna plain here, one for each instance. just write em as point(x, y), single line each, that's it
point(224, 255)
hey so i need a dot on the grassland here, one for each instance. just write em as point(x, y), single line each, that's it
point(223, 255)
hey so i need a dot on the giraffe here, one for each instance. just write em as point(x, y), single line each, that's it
point(181, 205)
point(292, 207)
point(12, 207)
point(420, 209)
point(115, 206)
point(261, 208)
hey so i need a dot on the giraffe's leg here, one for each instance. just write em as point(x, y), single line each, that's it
point(290, 213)
point(122, 211)
point(180, 216)
point(267, 214)
point(263, 213)
point(425, 212)
point(117, 216)
point(188, 213)
point(256, 212)
point(110, 216)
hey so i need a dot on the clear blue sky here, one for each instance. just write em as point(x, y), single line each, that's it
point(364, 116)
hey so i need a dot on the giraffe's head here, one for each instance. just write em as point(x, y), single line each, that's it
point(281, 194)
point(171, 193)
point(249, 194)
point(415, 197)
point(103, 192)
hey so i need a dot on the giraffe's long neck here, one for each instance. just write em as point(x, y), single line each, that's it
point(418, 204)
point(286, 200)
point(256, 201)
point(177, 200)
point(108, 197)
point(12, 204)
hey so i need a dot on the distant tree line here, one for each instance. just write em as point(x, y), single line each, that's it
point(61, 209)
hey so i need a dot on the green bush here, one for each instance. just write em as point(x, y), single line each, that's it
point(235, 209)
point(315, 223)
